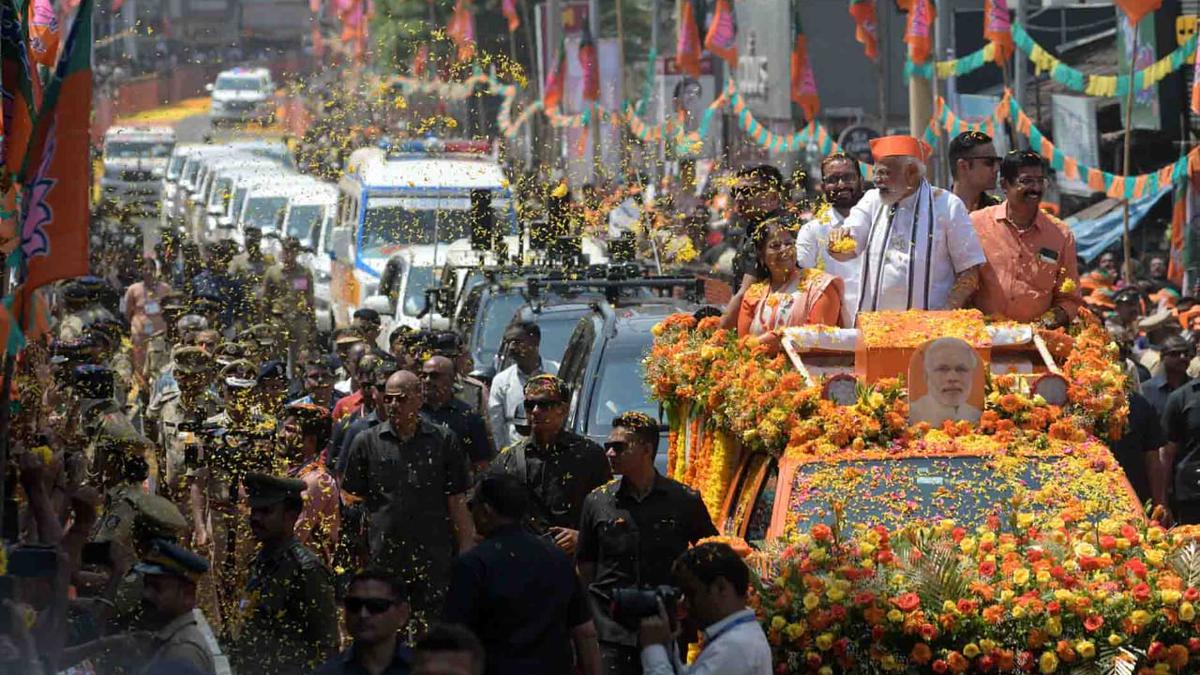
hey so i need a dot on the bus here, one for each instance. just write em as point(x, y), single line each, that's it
point(409, 203)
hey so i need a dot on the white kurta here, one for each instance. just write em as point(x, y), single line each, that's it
point(908, 259)
point(812, 250)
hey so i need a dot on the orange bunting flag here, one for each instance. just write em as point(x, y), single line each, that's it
point(918, 30)
point(43, 32)
point(555, 79)
point(866, 24)
point(997, 29)
point(804, 84)
point(54, 173)
point(509, 8)
point(722, 33)
point(1196, 88)
point(687, 40)
point(1136, 9)
point(590, 66)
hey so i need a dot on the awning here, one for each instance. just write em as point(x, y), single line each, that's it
point(1099, 226)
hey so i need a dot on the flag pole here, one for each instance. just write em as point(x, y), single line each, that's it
point(1128, 242)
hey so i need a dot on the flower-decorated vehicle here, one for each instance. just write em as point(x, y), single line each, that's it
point(1012, 544)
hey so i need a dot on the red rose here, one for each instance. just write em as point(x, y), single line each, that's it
point(821, 532)
point(1093, 622)
point(1141, 592)
point(940, 666)
point(987, 568)
point(907, 602)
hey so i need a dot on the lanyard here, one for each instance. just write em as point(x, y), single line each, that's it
point(730, 626)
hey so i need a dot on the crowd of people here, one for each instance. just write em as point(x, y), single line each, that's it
point(205, 482)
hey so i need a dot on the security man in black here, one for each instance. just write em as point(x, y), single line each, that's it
point(1181, 424)
point(631, 531)
point(288, 617)
point(558, 468)
point(438, 376)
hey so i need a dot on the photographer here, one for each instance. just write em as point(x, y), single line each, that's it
point(631, 530)
point(714, 581)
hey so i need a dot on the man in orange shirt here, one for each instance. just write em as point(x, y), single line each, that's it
point(1031, 274)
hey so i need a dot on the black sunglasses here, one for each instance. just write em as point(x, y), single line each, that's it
point(530, 406)
point(617, 447)
point(373, 605)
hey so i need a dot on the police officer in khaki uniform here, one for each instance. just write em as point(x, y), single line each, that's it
point(160, 344)
point(182, 414)
point(261, 342)
point(290, 621)
point(292, 284)
point(182, 635)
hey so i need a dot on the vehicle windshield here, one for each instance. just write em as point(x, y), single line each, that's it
point(413, 220)
point(494, 319)
point(419, 279)
point(175, 166)
point(239, 198)
point(263, 212)
point(556, 330)
point(234, 83)
point(621, 386)
point(189, 172)
point(219, 193)
point(302, 217)
point(967, 489)
point(136, 149)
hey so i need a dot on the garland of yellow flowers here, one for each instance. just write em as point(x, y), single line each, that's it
point(718, 474)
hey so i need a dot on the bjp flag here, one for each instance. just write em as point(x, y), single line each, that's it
point(866, 25)
point(918, 30)
point(54, 172)
point(687, 40)
point(461, 31)
point(1136, 9)
point(997, 29)
point(43, 32)
point(804, 83)
point(722, 33)
point(555, 79)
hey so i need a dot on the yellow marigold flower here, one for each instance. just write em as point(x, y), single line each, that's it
point(1139, 617)
point(1085, 649)
point(1114, 640)
point(971, 650)
point(1024, 519)
point(811, 601)
point(1048, 663)
point(1187, 611)
point(1068, 285)
point(560, 191)
point(1020, 576)
point(895, 615)
point(843, 245)
point(824, 641)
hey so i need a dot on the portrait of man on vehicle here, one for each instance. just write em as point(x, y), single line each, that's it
point(946, 383)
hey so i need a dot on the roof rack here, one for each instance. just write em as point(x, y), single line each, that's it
point(611, 279)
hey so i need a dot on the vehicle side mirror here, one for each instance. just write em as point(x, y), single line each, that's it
point(379, 303)
point(341, 244)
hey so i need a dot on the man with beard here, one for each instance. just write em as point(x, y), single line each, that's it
point(842, 187)
point(914, 241)
point(181, 636)
point(1032, 273)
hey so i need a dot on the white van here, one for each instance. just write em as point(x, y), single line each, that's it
point(135, 160)
point(242, 95)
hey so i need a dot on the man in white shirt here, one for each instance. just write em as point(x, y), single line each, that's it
point(842, 186)
point(507, 395)
point(915, 243)
point(714, 581)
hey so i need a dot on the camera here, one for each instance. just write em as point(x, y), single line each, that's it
point(631, 605)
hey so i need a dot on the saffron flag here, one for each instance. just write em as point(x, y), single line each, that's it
point(1136, 9)
point(997, 29)
point(918, 31)
point(687, 40)
point(21, 96)
point(804, 84)
point(509, 7)
point(54, 172)
point(722, 33)
point(554, 81)
point(43, 32)
point(1196, 87)
point(866, 25)
point(461, 30)
point(1175, 265)
point(590, 67)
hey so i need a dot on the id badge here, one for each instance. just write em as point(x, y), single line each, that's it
point(152, 307)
